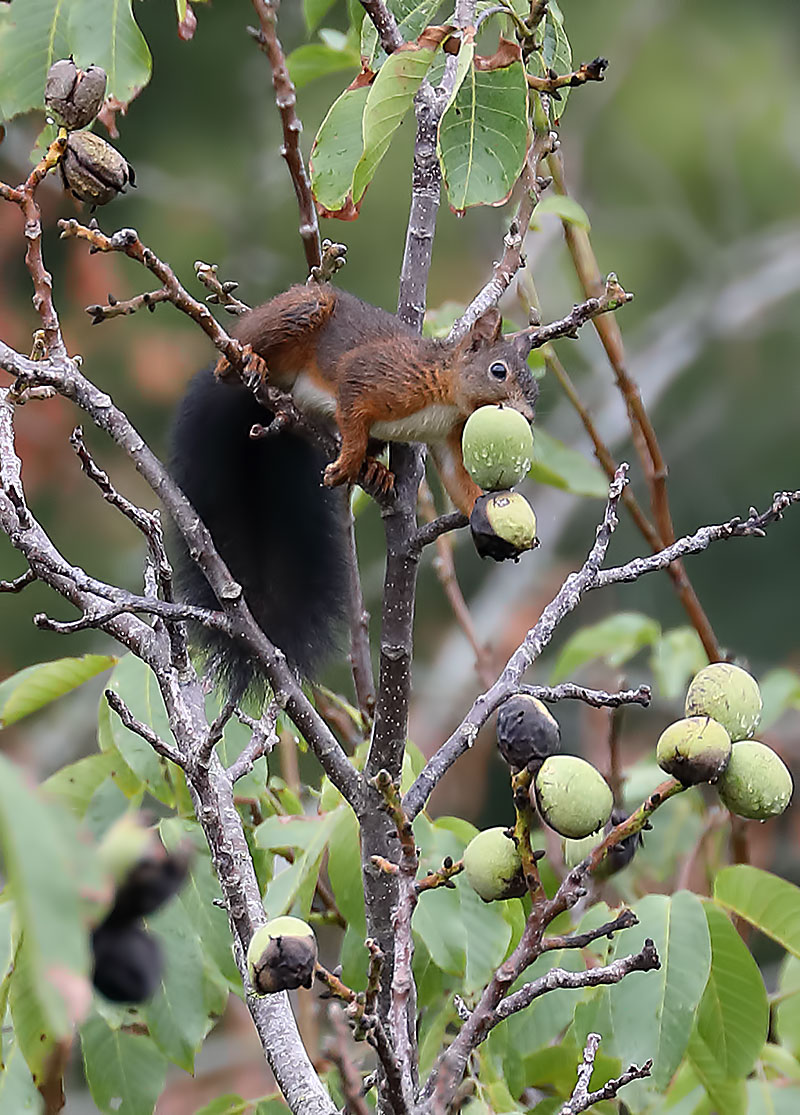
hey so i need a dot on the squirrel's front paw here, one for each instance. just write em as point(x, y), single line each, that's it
point(334, 475)
point(376, 477)
point(254, 367)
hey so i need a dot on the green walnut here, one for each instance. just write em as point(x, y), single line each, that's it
point(94, 171)
point(493, 867)
point(756, 783)
point(282, 955)
point(527, 732)
point(75, 96)
point(729, 695)
point(503, 525)
point(573, 798)
point(694, 750)
point(576, 851)
point(497, 445)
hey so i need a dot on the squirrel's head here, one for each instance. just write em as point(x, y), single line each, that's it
point(494, 368)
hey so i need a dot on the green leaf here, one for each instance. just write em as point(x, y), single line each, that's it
point(437, 921)
point(554, 463)
point(615, 640)
point(344, 870)
point(564, 207)
point(18, 1093)
point(767, 902)
point(76, 783)
point(780, 690)
point(227, 1105)
point(40, 849)
point(36, 33)
point(650, 1014)
point(107, 35)
point(389, 98)
point(488, 935)
point(733, 1016)
point(483, 137)
point(676, 657)
point(135, 683)
point(296, 883)
point(412, 16)
point(787, 1011)
point(33, 688)
point(725, 1095)
point(336, 152)
point(176, 1017)
point(125, 1072)
point(314, 11)
point(771, 1098)
point(318, 60)
point(556, 53)
point(199, 896)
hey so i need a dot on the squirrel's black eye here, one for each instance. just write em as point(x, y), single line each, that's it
point(498, 369)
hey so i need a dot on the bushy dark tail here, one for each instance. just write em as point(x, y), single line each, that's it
point(279, 531)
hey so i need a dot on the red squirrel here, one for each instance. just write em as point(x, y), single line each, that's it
point(279, 530)
point(343, 359)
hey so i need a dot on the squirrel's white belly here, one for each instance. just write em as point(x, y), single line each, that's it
point(313, 400)
point(434, 423)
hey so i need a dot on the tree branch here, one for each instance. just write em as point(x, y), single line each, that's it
point(557, 978)
point(566, 599)
point(582, 1098)
point(286, 100)
point(165, 750)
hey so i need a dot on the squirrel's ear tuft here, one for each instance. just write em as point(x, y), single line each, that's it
point(487, 328)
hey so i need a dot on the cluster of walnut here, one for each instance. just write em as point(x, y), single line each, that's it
point(91, 169)
point(497, 446)
point(714, 744)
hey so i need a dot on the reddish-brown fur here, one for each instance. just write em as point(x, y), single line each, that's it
point(375, 369)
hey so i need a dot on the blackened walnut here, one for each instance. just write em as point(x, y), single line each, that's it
point(75, 96)
point(94, 171)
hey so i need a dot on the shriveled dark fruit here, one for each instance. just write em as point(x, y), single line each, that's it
point(94, 171)
point(497, 446)
point(572, 796)
point(618, 857)
point(503, 525)
point(729, 695)
point(149, 884)
point(493, 866)
point(127, 962)
point(694, 750)
point(757, 783)
point(75, 96)
point(281, 956)
point(526, 731)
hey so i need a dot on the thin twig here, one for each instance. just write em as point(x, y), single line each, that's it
point(596, 698)
point(512, 258)
point(644, 435)
point(646, 960)
point(384, 23)
point(582, 1098)
point(261, 742)
point(286, 100)
point(19, 583)
point(221, 293)
point(626, 920)
point(166, 750)
point(119, 308)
